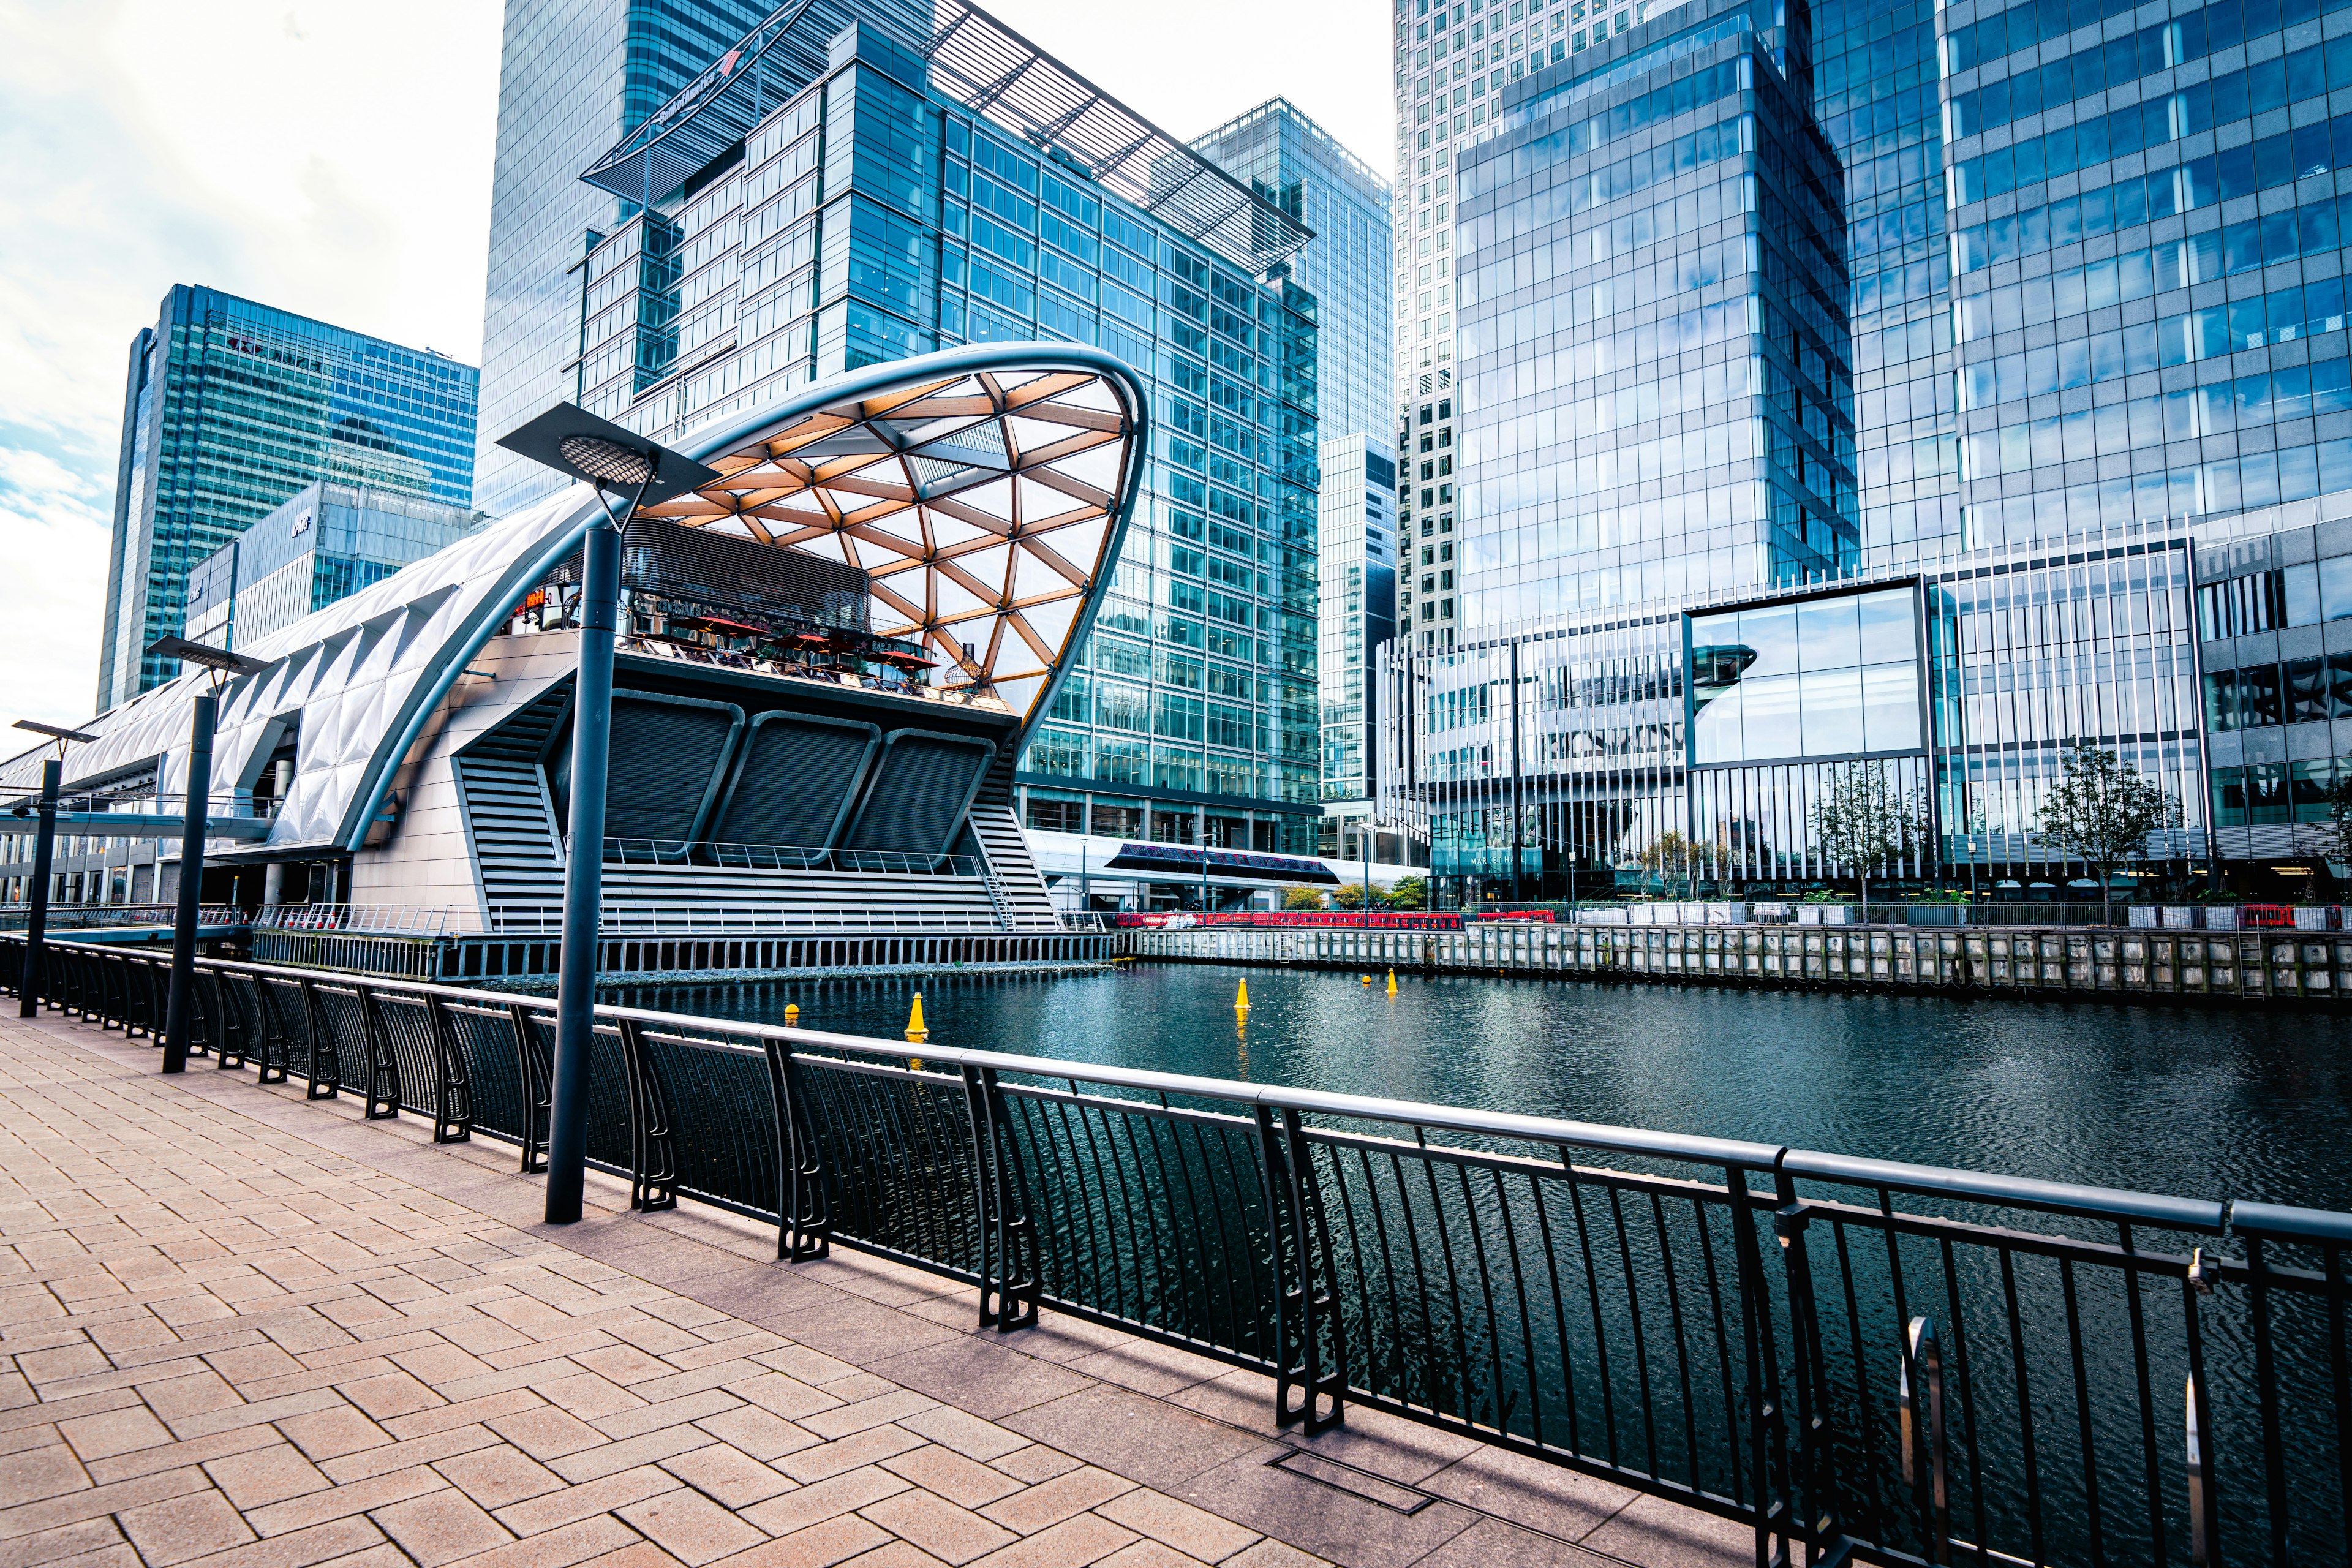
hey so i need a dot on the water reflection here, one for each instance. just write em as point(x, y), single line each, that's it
point(2202, 1104)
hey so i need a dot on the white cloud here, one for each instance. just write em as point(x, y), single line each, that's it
point(334, 159)
point(326, 158)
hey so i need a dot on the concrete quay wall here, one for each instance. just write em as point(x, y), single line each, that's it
point(2114, 963)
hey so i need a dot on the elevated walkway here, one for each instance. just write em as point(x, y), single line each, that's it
point(244, 1324)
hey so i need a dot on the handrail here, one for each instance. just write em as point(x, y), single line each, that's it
point(1988, 1187)
point(786, 857)
point(623, 919)
point(368, 920)
point(1861, 1380)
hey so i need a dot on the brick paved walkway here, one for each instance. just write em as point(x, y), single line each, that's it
point(238, 1329)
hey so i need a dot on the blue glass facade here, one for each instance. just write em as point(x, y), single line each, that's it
point(872, 217)
point(1294, 165)
point(233, 406)
point(1651, 378)
point(573, 77)
point(326, 543)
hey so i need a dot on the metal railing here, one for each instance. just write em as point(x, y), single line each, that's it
point(623, 917)
point(374, 920)
point(1878, 1362)
point(88, 917)
point(785, 857)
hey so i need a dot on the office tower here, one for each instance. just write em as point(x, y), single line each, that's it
point(1357, 562)
point(1296, 165)
point(848, 185)
point(329, 542)
point(1683, 618)
point(1876, 96)
point(574, 76)
point(231, 408)
point(1650, 330)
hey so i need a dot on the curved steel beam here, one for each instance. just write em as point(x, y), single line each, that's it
point(498, 609)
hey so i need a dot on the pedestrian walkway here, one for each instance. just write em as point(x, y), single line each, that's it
point(240, 1329)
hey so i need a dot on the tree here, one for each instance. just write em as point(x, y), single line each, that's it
point(1866, 820)
point(1670, 849)
point(1350, 895)
point(1410, 893)
point(2101, 811)
point(1302, 899)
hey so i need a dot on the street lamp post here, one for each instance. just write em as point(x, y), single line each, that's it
point(45, 850)
point(204, 715)
point(613, 460)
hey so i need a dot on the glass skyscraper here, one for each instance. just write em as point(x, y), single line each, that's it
point(230, 408)
point(326, 543)
point(574, 76)
point(1295, 164)
point(845, 185)
point(2082, 362)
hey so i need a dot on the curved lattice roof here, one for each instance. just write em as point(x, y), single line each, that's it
point(986, 489)
point(984, 498)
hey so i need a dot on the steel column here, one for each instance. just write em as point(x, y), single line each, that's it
point(36, 923)
point(584, 875)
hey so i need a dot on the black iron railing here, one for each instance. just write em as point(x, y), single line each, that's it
point(1899, 1364)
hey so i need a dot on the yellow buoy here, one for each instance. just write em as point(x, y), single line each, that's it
point(791, 1016)
point(1365, 978)
point(1241, 998)
point(1391, 982)
point(915, 1029)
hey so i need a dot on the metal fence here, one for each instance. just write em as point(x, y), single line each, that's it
point(86, 917)
point(1897, 1364)
point(783, 857)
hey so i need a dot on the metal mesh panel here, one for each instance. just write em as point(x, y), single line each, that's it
point(795, 783)
point(917, 803)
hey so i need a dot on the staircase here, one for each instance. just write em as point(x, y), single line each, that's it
point(1014, 885)
point(509, 812)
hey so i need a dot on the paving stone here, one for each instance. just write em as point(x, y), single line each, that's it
point(728, 1475)
point(818, 1546)
point(113, 1432)
point(29, 1475)
point(952, 1534)
point(1073, 1544)
point(1191, 1530)
point(265, 1476)
point(941, 1469)
point(496, 1475)
point(183, 1528)
point(1050, 1502)
point(690, 1527)
point(440, 1527)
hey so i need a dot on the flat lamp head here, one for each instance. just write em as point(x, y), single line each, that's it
point(53, 731)
point(217, 659)
point(570, 441)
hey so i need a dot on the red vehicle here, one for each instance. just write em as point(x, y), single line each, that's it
point(1542, 917)
point(2266, 917)
point(1338, 920)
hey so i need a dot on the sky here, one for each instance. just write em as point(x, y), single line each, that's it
point(333, 159)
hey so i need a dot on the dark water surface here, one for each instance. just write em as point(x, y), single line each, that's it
point(2199, 1103)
